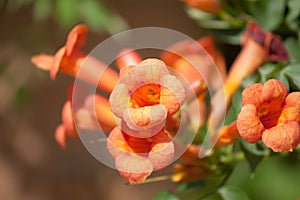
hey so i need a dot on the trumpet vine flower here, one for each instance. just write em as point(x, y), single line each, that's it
point(270, 114)
point(70, 59)
point(180, 55)
point(136, 158)
point(145, 96)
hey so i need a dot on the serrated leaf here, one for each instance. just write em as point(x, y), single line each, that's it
point(165, 195)
point(229, 192)
point(268, 13)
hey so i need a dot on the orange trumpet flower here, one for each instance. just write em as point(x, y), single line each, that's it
point(70, 59)
point(270, 114)
point(136, 158)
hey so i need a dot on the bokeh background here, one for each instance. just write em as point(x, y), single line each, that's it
point(32, 165)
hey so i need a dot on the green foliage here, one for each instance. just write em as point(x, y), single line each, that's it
point(165, 195)
point(292, 18)
point(281, 17)
point(68, 13)
point(229, 192)
point(268, 14)
point(254, 153)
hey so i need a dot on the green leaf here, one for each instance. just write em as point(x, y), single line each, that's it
point(254, 78)
point(229, 192)
point(208, 21)
point(66, 13)
point(254, 153)
point(165, 195)
point(266, 71)
point(235, 107)
point(292, 72)
point(293, 47)
point(100, 18)
point(281, 76)
point(292, 18)
point(268, 13)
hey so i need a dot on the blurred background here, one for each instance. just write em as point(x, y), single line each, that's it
point(32, 165)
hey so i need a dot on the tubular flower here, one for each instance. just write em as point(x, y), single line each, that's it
point(95, 111)
point(228, 135)
point(69, 59)
point(176, 57)
point(67, 128)
point(145, 96)
point(270, 114)
point(128, 57)
point(136, 158)
point(211, 6)
point(258, 47)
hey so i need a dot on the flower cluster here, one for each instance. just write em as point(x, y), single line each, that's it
point(141, 116)
point(144, 97)
point(69, 59)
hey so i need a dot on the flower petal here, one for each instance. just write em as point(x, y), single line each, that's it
point(172, 93)
point(248, 124)
point(58, 59)
point(67, 118)
point(119, 99)
point(252, 94)
point(76, 38)
point(134, 168)
point(162, 150)
point(151, 70)
point(116, 143)
point(291, 110)
point(128, 57)
point(99, 106)
point(142, 133)
point(282, 138)
point(274, 90)
point(43, 61)
point(60, 136)
point(145, 117)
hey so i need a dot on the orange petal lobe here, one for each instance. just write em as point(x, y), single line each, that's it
point(133, 168)
point(76, 38)
point(162, 151)
point(172, 93)
point(43, 61)
point(274, 90)
point(282, 138)
point(248, 124)
point(60, 136)
point(252, 94)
